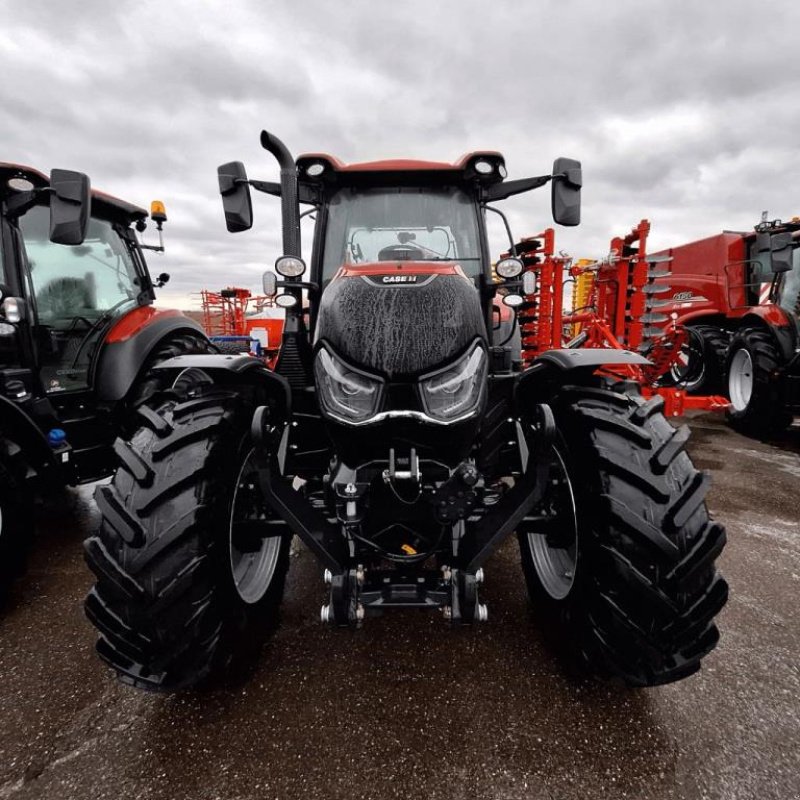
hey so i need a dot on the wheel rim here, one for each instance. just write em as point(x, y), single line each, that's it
point(253, 557)
point(740, 379)
point(554, 552)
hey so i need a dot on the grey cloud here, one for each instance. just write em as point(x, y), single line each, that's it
point(681, 112)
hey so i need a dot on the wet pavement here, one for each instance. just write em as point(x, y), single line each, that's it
point(406, 707)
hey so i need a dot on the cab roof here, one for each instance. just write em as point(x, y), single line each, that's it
point(334, 170)
point(103, 205)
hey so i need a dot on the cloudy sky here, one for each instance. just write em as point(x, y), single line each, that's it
point(685, 113)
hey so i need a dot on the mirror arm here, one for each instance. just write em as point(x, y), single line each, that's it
point(500, 191)
point(17, 205)
point(502, 216)
point(268, 187)
point(306, 194)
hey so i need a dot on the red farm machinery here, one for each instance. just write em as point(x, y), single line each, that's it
point(400, 437)
point(738, 296)
point(616, 303)
point(237, 321)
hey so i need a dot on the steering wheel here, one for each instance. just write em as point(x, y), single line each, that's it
point(401, 252)
point(63, 297)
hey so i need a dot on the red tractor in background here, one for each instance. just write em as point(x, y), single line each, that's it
point(738, 295)
point(79, 338)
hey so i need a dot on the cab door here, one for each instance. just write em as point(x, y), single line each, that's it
point(76, 291)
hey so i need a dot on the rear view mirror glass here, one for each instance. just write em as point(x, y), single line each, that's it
point(781, 250)
point(235, 193)
point(566, 191)
point(70, 204)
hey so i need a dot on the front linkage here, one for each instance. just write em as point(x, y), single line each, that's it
point(452, 587)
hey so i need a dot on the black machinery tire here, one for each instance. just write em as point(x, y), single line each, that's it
point(707, 349)
point(166, 604)
point(152, 381)
point(230, 348)
point(757, 407)
point(16, 515)
point(639, 601)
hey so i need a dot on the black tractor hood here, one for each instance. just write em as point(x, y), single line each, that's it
point(400, 320)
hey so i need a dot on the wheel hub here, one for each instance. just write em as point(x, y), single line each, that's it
point(740, 379)
point(254, 550)
point(554, 546)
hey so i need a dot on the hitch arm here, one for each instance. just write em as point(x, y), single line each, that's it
point(486, 535)
point(323, 539)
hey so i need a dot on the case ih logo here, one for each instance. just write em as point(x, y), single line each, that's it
point(398, 278)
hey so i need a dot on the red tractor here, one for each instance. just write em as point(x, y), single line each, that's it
point(738, 294)
point(400, 438)
point(79, 338)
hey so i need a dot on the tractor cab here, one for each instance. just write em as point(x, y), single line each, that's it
point(398, 230)
point(774, 263)
point(67, 296)
point(78, 331)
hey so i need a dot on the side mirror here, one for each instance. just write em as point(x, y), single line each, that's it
point(270, 284)
point(566, 191)
point(235, 191)
point(781, 252)
point(70, 204)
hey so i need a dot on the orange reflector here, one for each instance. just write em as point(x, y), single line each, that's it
point(408, 550)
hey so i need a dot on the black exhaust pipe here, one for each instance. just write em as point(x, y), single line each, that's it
point(294, 360)
point(290, 206)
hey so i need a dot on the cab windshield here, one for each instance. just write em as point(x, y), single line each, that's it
point(401, 224)
point(789, 297)
point(85, 280)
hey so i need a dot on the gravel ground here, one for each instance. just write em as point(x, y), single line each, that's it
point(406, 706)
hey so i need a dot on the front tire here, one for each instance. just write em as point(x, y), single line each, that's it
point(152, 381)
point(624, 578)
point(756, 404)
point(16, 516)
point(701, 366)
point(190, 567)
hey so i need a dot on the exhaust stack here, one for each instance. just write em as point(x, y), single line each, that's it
point(290, 206)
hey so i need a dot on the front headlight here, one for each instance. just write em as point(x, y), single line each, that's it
point(346, 395)
point(456, 391)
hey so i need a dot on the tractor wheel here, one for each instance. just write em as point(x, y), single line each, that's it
point(152, 381)
point(16, 515)
point(756, 404)
point(701, 367)
point(231, 348)
point(190, 564)
point(623, 578)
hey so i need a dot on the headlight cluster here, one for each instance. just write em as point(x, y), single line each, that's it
point(345, 394)
point(446, 395)
point(455, 391)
